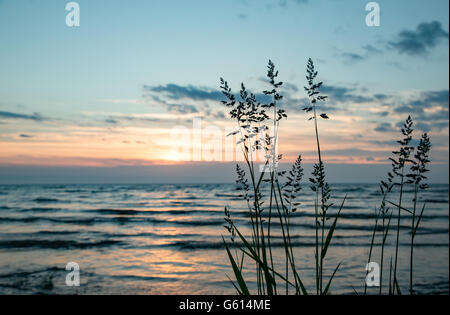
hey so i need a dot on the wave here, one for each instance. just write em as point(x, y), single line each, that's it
point(55, 244)
point(200, 245)
point(436, 201)
point(134, 212)
point(64, 220)
point(40, 209)
point(24, 273)
point(45, 200)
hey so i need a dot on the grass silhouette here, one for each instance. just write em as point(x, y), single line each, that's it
point(257, 130)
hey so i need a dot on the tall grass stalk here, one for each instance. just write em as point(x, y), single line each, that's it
point(416, 177)
point(252, 118)
point(369, 259)
point(320, 186)
point(399, 170)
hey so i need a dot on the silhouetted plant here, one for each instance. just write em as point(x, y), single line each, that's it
point(318, 180)
point(399, 178)
point(417, 178)
point(254, 117)
point(383, 212)
point(251, 117)
point(398, 168)
point(292, 187)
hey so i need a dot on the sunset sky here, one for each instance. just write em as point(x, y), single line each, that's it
point(111, 92)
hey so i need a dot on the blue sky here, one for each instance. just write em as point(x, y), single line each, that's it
point(71, 85)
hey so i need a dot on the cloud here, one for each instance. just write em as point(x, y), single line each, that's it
point(177, 92)
point(203, 101)
point(381, 97)
point(111, 121)
point(350, 58)
point(407, 109)
point(354, 152)
point(116, 119)
point(371, 50)
point(191, 99)
point(194, 100)
point(384, 127)
point(429, 110)
point(182, 109)
point(420, 41)
point(433, 98)
point(431, 107)
point(423, 126)
point(284, 3)
point(25, 136)
point(344, 94)
point(10, 115)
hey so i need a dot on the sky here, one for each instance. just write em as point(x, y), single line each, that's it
point(131, 86)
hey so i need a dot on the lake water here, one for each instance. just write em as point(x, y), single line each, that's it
point(166, 239)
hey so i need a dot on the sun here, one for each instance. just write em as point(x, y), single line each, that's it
point(174, 157)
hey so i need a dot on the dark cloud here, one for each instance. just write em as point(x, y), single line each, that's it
point(10, 115)
point(164, 94)
point(356, 152)
point(284, 3)
point(417, 125)
point(177, 92)
point(25, 136)
point(420, 41)
point(344, 94)
point(371, 50)
point(432, 98)
point(407, 109)
point(116, 120)
point(430, 106)
point(184, 96)
point(111, 121)
point(431, 109)
point(381, 97)
point(350, 58)
point(423, 126)
point(383, 114)
point(181, 109)
point(384, 127)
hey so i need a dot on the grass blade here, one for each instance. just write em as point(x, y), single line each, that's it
point(331, 279)
point(399, 292)
point(269, 279)
point(234, 285)
point(418, 221)
point(387, 229)
point(397, 206)
point(331, 231)
point(237, 271)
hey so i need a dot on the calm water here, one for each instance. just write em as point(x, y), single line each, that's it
point(165, 239)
